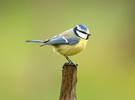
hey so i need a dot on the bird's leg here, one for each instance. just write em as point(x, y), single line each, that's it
point(70, 62)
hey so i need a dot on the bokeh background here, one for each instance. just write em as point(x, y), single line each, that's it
point(106, 68)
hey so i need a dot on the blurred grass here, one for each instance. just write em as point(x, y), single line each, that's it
point(106, 68)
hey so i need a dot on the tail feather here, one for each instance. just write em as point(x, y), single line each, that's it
point(35, 41)
point(39, 41)
point(43, 44)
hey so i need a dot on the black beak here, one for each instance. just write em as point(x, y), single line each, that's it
point(88, 36)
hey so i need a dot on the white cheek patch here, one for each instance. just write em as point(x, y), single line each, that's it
point(82, 35)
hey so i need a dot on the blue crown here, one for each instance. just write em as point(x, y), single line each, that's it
point(83, 27)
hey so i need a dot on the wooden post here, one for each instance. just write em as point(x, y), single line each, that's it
point(69, 80)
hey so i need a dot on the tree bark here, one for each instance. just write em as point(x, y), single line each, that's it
point(69, 81)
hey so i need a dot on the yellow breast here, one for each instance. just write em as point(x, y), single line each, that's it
point(69, 50)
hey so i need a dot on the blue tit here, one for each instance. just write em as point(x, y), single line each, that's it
point(69, 42)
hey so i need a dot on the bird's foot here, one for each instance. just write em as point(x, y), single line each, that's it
point(70, 64)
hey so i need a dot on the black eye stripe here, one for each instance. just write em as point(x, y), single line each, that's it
point(81, 31)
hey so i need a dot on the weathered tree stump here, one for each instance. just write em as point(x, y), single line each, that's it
point(69, 80)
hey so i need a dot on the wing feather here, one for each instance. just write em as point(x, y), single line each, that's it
point(61, 40)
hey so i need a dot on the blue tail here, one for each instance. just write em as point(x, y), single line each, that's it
point(35, 41)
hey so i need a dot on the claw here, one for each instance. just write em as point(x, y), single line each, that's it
point(70, 62)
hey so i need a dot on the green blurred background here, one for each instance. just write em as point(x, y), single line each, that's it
point(106, 68)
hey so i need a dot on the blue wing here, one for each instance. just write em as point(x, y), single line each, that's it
point(61, 40)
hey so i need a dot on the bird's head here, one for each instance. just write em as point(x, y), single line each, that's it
point(82, 31)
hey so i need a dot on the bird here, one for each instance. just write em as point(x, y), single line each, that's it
point(69, 42)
